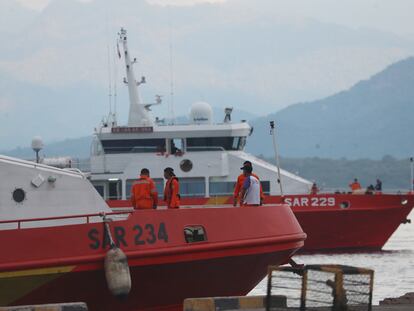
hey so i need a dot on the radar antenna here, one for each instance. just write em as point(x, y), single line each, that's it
point(279, 177)
point(158, 101)
point(171, 106)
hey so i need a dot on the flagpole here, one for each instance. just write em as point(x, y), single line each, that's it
point(412, 174)
point(272, 132)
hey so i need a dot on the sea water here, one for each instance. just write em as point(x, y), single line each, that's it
point(393, 266)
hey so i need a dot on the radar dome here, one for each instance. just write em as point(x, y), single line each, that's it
point(37, 143)
point(201, 113)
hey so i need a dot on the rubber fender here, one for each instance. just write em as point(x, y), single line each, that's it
point(118, 277)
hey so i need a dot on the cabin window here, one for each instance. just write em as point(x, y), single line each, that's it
point(214, 143)
point(101, 186)
point(100, 189)
point(114, 189)
point(195, 234)
point(265, 187)
point(242, 143)
point(159, 185)
point(192, 187)
point(221, 187)
point(227, 187)
point(177, 146)
point(236, 142)
point(133, 145)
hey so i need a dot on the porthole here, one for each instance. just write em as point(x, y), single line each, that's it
point(344, 204)
point(18, 195)
point(186, 165)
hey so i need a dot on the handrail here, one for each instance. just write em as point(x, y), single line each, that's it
point(30, 164)
point(87, 216)
point(205, 148)
point(349, 191)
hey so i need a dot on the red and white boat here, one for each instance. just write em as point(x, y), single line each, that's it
point(334, 222)
point(207, 157)
point(54, 244)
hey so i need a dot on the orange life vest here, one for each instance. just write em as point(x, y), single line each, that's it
point(355, 185)
point(172, 192)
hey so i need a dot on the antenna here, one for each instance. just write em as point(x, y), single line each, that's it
point(279, 178)
point(108, 54)
point(171, 106)
point(109, 80)
point(115, 87)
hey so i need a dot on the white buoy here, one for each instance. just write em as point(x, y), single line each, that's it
point(117, 273)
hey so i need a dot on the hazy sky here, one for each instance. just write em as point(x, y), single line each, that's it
point(388, 15)
point(40, 4)
point(257, 55)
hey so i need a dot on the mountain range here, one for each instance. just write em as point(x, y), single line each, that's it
point(258, 56)
point(372, 119)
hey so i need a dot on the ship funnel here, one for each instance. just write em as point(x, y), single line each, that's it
point(201, 113)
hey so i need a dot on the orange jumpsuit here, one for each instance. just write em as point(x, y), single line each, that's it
point(355, 186)
point(239, 185)
point(144, 193)
point(172, 193)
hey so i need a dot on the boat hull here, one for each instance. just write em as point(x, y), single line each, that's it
point(336, 222)
point(65, 263)
point(366, 224)
point(155, 287)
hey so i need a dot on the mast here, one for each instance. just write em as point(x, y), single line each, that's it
point(138, 113)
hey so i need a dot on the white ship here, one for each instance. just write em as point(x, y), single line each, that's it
point(206, 156)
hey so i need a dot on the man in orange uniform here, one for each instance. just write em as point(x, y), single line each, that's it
point(143, 193)
point(172, 189)
point(355, 185)
point(239, 186)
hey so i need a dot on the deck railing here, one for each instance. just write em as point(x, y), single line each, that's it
point(87, 217)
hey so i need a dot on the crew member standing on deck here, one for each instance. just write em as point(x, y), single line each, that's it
point(143, 192)
point(250, 192)
point(314, 189)
point(378, 186)
point(355, 185)
point(172, 189)
point(239, 184)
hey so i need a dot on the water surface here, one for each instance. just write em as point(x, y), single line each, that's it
point(394, 266)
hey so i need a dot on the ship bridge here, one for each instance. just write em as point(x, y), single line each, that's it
point(205, 156)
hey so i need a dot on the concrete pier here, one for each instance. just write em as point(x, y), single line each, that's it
point(76, 306)
point(258, 303)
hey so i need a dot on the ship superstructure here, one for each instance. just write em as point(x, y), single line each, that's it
point(206, 156)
